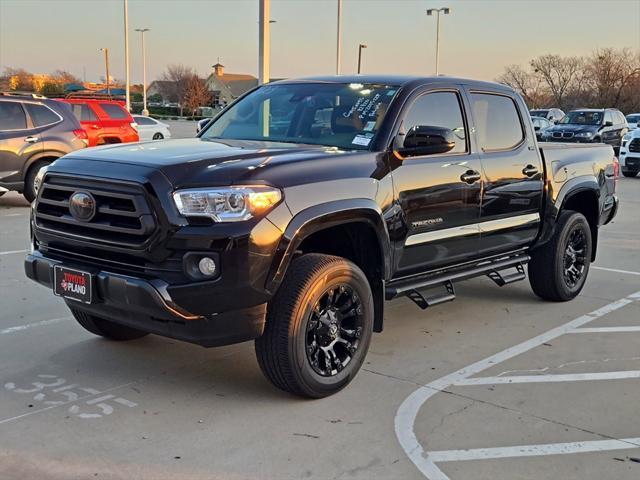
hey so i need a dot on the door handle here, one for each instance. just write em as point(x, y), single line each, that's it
point(470, 176)
point(31, 139)
point(529, 170)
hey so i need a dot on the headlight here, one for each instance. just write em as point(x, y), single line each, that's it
point(627, 137)
point(584, 134)
point(226, 204)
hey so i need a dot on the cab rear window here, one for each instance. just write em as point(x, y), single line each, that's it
point(115, 112)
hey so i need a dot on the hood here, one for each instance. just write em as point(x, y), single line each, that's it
point(575, 128)
point(196, 161)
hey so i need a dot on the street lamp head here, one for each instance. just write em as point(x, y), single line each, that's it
point(430, 11)
point(142, 30)
point(446, 10)
point(363, 45)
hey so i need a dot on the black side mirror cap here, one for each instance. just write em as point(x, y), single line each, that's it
point(427, 140)
point(608, 124)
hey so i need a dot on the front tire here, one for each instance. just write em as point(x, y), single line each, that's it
point(558, 269)
point(630, 173)
point(319, 326)
point(30, 188)
point(106, 328)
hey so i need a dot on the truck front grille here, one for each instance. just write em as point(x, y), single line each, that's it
point(634, 145)
point(122, 214)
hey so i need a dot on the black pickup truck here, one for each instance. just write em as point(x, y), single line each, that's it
point(305, 205)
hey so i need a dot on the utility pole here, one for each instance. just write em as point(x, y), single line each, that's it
point(339, 38)
point(264, 42)
point(106, 65)
point(360, 47)
point(145, 112)
point(430, 12)
point(127, 85)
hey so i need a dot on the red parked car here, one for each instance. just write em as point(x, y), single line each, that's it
point(105, 120)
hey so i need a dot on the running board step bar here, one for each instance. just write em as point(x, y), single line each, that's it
point(425, 302)
point(502, 280)
point(490, 267)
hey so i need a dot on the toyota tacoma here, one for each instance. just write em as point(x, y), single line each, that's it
point(306, 204)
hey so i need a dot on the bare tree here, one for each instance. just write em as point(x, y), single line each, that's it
point(559, 74)
point(196, 94)
point(174, 83)
point(528, 84)
point(63, 77)
point(19, 79)
point(609, 73)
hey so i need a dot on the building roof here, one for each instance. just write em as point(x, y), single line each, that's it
point(238, 83)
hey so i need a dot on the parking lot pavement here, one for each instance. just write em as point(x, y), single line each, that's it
point(496, 385)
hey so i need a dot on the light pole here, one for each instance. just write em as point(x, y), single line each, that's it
point(145, 112)
point(106, 65)
point(339, 38)
point(431, 11)
point(264, 42)
point(360, 47)
point(126, 56)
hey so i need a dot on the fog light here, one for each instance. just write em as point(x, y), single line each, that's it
point(207, 266)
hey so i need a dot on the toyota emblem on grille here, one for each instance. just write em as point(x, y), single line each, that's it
point(82, 206)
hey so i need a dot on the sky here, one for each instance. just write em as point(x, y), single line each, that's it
point(477, 40)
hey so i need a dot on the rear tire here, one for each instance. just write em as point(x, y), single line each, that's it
point(630, 173)
point(106, 328)
point(558, 269)
point(158, 136)
point(319, 326)
point(30, 189)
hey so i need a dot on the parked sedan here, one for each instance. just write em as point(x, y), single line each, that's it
point(540, 124)
point(554, 115)
point(151, 129)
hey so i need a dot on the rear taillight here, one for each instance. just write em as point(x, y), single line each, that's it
point(81, 135)
point(134, 125)
point(616, 171)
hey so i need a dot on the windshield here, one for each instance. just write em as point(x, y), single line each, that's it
point(633, 118)
point(583, 118)
point(346, 116)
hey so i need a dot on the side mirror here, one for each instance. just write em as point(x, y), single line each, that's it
point(536, 127)
point(608, 123)
point(427, 140)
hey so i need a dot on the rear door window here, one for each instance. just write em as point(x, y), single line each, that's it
point(41, 115)
point(498, 124)
point(115, 112)
point(144, 121)
point(12, 116)
point(83, 112)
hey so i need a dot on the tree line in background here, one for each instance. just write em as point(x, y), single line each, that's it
point(20, 79)
point(608, 78)
point(182, 85)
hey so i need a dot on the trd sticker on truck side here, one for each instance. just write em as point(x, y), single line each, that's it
point(429, 222)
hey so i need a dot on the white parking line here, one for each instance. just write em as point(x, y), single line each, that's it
point(19, 328)
point(12, 252)
point(569, 377)
point(408, 410)
point(606, 329)
point(615, 270)
point(535, 450)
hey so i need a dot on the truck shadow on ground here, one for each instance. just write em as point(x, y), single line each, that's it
point(165, 365)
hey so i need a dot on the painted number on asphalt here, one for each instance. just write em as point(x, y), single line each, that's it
point(52, 391)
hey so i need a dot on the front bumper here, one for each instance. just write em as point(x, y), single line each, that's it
point(147, 305)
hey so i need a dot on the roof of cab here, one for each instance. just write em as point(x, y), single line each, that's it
point(399, 80)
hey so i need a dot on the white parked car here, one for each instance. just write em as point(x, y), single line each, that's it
point(151, 129)
point(630, 153)
point(633, 119)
